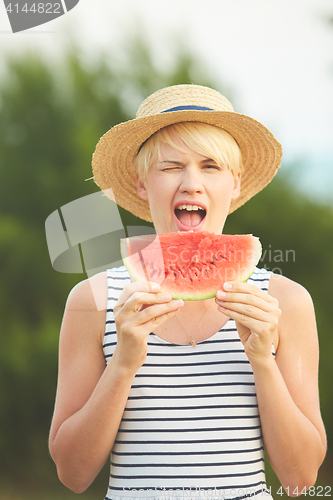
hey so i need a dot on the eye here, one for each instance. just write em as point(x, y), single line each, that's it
point(171, 169)
point(212, 166)
point(169, 166)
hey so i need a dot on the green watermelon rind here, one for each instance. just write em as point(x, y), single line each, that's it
point(192, 296)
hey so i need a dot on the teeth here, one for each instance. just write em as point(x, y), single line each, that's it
point(189, 207)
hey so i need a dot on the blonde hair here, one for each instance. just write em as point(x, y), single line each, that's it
point(202, 138)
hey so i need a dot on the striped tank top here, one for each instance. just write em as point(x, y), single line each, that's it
point(191, 426)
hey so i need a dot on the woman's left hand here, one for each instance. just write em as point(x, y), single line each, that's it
point(256, 314)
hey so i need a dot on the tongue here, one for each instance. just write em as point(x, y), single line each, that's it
point(190, 219)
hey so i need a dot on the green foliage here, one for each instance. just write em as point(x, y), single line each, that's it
point(51, 117)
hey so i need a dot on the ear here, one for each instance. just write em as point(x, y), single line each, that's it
point(141, 188)
point(237, 187)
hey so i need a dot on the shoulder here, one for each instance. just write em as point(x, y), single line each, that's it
point(90, 294)
point(297, 325)
point(85, 311)
point(290, 294)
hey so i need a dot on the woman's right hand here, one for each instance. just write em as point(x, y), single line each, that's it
point(139, 309)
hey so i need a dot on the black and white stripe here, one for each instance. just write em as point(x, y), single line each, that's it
point(191, 423)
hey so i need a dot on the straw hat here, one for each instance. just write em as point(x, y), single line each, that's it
point(114, 158)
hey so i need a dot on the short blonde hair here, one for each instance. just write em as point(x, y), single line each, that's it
point(202, 138)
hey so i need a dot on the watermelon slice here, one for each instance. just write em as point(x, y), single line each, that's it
point(191, 265)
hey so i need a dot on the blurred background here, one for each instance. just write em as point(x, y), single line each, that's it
point(63, 85)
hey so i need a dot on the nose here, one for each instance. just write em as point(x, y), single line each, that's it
point(191, 181)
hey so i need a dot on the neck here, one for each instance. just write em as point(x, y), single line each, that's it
point(195, 308)
point(193, 317)
point(194, 322)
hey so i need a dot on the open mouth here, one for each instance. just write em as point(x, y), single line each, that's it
point(190, 215)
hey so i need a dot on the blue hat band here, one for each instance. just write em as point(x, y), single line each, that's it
point(184, 108)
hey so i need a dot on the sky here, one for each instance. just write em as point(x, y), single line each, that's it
point(275, 55)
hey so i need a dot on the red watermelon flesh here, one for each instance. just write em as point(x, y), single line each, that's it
point(191, 265)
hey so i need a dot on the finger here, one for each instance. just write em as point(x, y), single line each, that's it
point(137, 286)
point(247, 288)
point(138, 303)
point(240, 312)
point(248, 294)
point(139, 300)
point(158, 313)
point(264, 303)
point(252, 317)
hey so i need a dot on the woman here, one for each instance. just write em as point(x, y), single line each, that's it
point(185, 394)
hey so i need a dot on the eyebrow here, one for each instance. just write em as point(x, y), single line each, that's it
point(175, 162)
point(209, 160)
point(172, 161)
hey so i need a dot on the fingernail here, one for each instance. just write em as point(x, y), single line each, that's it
point(155, 286)
point(165, 296)
point(221, 295)
point(178, 302)
point(227, 286)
